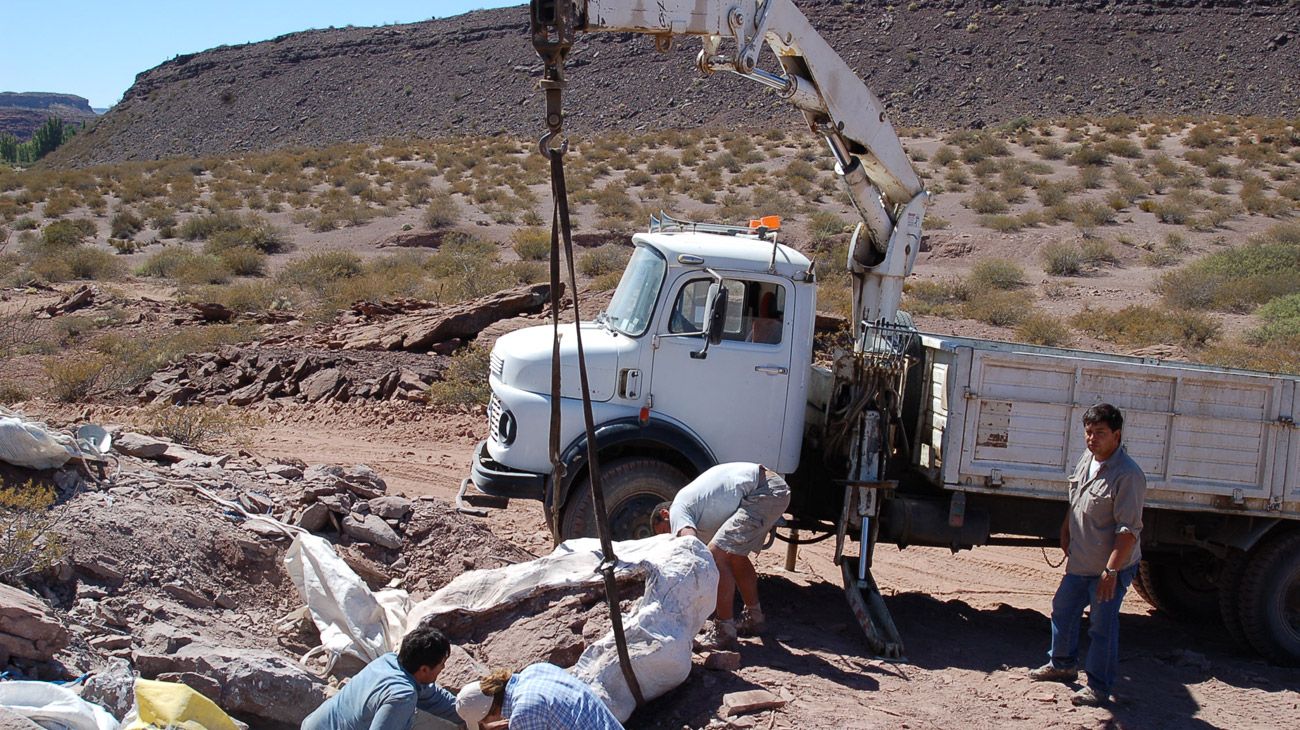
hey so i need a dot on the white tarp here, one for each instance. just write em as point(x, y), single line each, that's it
point(32, 444)
point(681, 585)
point(351, 619)
point(54, 707)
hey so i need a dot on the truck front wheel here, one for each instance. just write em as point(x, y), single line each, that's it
point(633, 487)
point(1270, 599)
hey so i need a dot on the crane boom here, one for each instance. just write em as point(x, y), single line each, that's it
point(882, 184)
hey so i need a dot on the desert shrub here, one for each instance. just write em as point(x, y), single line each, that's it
point(1061, 259)
point(75, 378)
point(1043, 329)
point(67, 233)
point(1281, 321)
point(1267, 266)
point(1089, 214)
point(1002, 223)
point(466, 268)
point(13, 392)
point(193, 425)
point(442, 211)
point(321, 270)
point(253, 232)
point(1139, 325)
point(202, 227)
point(998, 307)
point(823, 226)
point(996, 274)
point(1087, 155)
point(92, 263)
point(124, 224)
point(29, 543)
point(939, 298)
point(1095, 252)
point(610, 258)
point(465, 381)
point(532, 244)
point(133, 359)
point(987, 201)
point(162, 264)
point(944, 155)
point(244, 261)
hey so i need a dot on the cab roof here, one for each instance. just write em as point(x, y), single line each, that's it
point(724, 252)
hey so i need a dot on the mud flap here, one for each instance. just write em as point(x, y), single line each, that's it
point(869, 608)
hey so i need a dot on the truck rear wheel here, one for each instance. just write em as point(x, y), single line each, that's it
point(632, 487)
point(1184, 587)
point(1229, 592)
point(1269, 601)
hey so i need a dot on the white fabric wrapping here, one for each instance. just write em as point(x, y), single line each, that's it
point(32, 444)
point(681, 584)
point(54, 707)
point(351, 619)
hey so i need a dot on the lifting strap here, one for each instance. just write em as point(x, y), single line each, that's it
point(561, 229)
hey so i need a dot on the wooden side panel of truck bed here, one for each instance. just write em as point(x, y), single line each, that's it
point(1002, 418)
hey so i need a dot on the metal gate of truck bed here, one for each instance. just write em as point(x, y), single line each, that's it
point(1002, 418)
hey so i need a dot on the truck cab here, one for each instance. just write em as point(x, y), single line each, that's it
point(668, 402)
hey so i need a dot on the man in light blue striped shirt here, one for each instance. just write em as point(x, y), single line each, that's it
point(541, 697)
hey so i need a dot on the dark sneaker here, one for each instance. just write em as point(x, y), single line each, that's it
point(1049, 673)
point(751, 623)
point(1088, 697)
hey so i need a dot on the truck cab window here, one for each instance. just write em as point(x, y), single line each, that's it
point(755, 310)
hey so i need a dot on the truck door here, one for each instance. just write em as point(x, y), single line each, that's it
point(735, 397)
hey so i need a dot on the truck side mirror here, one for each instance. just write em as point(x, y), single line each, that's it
point(715, 318)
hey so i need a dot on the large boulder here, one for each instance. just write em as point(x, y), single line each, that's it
point(252, 682)
point(28, 627)
point(371, 529)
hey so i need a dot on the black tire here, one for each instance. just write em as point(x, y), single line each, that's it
point(1229, 592)
point(633, 487)
point(1184, 587)
point(1269, 601)
point(1140, 585)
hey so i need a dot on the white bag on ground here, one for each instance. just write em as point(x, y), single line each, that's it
point(55, 707)
point(32, 444)
point(681, 585)
point(351, 618)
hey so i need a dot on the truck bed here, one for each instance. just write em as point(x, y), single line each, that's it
point(1003, 418)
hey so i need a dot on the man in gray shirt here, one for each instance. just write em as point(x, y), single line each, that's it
point(730, 508)
point(1101, 537)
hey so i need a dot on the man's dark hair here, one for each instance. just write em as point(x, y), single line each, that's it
point(423, 647)
point(1104, 413)
point(655, 517)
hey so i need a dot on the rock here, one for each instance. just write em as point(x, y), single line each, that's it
point(390, 507)
point(251, 681)
point(83, 296)
point(337, 503)
point(100, 566)
point(256, 502)
point(314, 517)
point(212, 312)
point(413, 239)
point(111, 687)
point(205, 686)
point(139, 445)
point(263, 529)
point(418, 331)
point(722, 661)
point(188, 595)
point(162, 637)
point(362, 481)
point(752, 700)
point(371, 529)
point(318, 472)
point(110, 642)
point(320, 385)
point(28, 627)
point(287, 471)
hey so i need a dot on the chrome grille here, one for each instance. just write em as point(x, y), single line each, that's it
point(494, 417)
point(497, 365)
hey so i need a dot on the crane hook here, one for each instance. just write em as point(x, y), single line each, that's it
point(544, 144)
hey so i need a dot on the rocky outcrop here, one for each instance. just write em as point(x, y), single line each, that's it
point(937, 63)
point(422, 330)
point(29, 629)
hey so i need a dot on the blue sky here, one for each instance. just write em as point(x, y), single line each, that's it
point(94, 48)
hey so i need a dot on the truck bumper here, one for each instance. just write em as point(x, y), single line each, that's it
point(497, 480)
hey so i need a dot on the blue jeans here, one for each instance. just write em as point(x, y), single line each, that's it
point(1075, 592)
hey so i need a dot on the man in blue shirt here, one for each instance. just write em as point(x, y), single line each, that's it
point(386, 694)
point(541, 697)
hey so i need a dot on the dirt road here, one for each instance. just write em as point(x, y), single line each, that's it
point(972, 622)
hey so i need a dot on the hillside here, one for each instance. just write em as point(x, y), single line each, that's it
point(22, 113)
point(939, 64)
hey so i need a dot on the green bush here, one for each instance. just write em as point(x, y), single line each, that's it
point(321, 270)
point(244, 261)
point(73, 379)
point(1140, 325)
point(124, 224)
point(938, 298)
point(92, 263)
point(823, 226)
point(67, 233)
point(532, 244)
point(465, 381)
point(987, 201)
point(1267, 266)
point(996, 274)
point(253, 232)
point(203, 227)
point(29, 541)
point(162, 264)
point(610, 258)
point(202, 268)
point(442, 211)
point(1281, 322)
point(1043, 329)
point(998, 307)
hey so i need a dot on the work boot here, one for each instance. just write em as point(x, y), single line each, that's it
point(752, 622)
point(1089, 697)
point(718, 635)
point(1049, 673)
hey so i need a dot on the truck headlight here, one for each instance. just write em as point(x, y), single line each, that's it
point(506, 428)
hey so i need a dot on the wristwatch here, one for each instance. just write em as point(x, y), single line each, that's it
point(1107, 572)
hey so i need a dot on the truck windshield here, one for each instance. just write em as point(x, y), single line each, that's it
point(634, 300)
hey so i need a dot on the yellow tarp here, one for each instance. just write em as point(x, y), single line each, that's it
point(170, 705)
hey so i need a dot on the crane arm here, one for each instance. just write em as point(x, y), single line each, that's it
point(882, 184)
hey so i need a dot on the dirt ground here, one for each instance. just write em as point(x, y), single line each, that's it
point(972, 623)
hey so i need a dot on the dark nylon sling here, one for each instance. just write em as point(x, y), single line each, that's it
point(560, 228)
